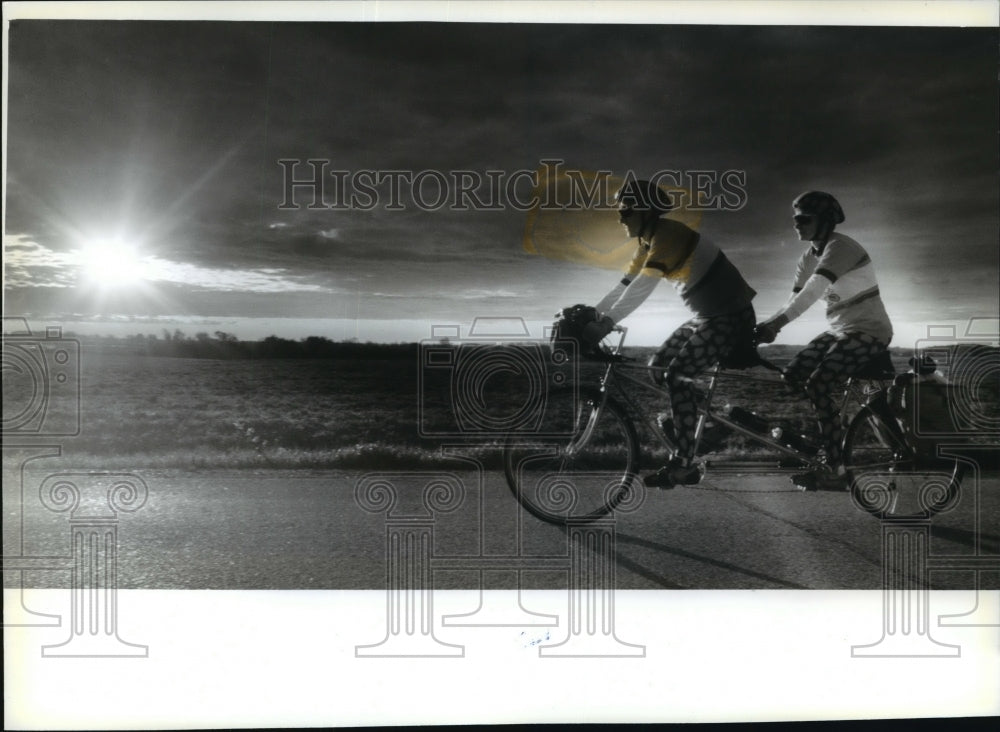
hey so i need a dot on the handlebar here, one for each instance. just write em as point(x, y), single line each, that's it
point(617, 351)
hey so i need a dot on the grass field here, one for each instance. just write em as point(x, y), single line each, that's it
point(373, 409)
point(184, 412)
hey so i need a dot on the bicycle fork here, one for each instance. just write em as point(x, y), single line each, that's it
point(582, 438)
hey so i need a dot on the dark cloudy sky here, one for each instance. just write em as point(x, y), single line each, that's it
point(165, 137)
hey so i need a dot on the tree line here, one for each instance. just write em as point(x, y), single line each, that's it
point(224, 345)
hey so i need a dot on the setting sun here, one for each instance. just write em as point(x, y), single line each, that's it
point(112, 264)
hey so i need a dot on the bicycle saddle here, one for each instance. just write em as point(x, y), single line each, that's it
point(879, 368)
point(745, 356)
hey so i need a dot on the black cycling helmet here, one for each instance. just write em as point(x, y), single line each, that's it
point(821, 205)
point(643, 195)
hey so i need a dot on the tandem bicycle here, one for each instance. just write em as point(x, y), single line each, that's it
point(584, 461)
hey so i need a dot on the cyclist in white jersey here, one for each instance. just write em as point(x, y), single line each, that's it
point(838, 269)
point(711, 287)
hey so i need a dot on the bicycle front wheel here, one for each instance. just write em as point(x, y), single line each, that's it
point(888, 478)
point(580, 464)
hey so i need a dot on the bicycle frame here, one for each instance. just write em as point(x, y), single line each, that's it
point(618, 368)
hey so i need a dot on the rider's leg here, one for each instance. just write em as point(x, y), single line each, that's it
point(803, 363)
point(712, 339)
point(661, 359)
point(847, 355)
point(670, 348)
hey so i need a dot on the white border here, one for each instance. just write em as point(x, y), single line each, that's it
point(967, 13)
point(239, 659)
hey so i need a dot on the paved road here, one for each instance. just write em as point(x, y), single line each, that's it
point(307, 529)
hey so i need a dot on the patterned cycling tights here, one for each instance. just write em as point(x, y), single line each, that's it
point(823, 366)
point(691, 349)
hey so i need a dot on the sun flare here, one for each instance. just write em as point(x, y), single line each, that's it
point(112, 264)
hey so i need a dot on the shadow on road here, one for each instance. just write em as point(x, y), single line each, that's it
point(659, 579)
point(986, 543)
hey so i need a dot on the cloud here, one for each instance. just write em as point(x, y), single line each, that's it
point(483, 294)
point(171, 133)
point(229, 280)
point(30, 264)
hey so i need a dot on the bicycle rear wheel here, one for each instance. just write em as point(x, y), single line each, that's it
point(582, 462)
point(888, 478)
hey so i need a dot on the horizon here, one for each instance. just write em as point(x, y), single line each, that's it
point(983, 330)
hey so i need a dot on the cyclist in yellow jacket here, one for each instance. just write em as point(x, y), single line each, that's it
point(708, 283)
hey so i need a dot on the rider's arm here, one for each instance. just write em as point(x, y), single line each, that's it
point(800, 301)
point(625, 299)
point(612, 297)
point(631, 291)
point(804, 271)
point(773, 320)
point(840, 255)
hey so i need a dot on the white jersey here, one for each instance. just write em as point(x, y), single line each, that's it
point(843, 274)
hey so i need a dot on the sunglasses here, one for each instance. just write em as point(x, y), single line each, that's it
point(802, 218)
point(625, 212)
